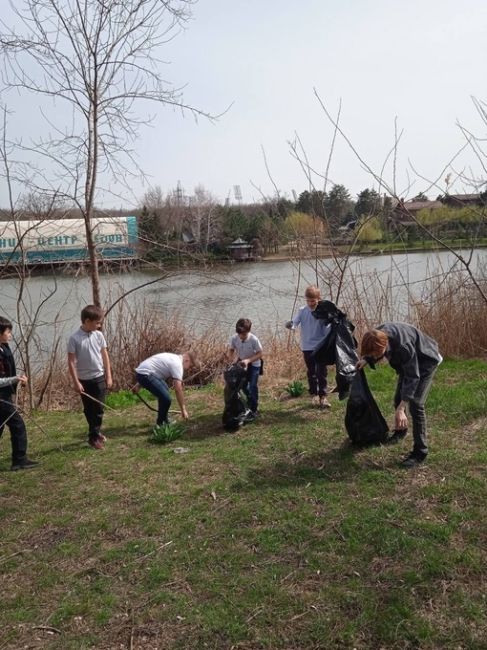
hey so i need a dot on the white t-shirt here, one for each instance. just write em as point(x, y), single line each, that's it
point(247, 348)
point(164, 366)
point(87, 347)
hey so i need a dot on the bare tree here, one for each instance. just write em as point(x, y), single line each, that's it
point(203, 216)
point(98, 57)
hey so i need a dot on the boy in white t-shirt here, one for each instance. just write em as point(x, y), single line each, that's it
point(90, 370)
point(153, 374)
point(245, 348)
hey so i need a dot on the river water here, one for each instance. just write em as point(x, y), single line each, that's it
point(266, 292)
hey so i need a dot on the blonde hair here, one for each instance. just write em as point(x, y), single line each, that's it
point(312, 292)
point(195, 362)
point(374, 344)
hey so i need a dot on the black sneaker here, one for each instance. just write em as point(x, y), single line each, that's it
point(412, 461)
point(24, 464)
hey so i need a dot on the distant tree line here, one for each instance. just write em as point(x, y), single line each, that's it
point(200, 221)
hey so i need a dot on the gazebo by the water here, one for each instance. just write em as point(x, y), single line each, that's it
point(240, 250)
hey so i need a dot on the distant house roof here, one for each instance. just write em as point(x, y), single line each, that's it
point(403, 210)
point(416, 206)
point(240, 243)
point(464, 197)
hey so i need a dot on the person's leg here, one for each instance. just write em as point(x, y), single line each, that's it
point(321, 372)
point(93, 410)
point(418, 416)
point(18, 433)
point(159, 389)
point(311, 372)
point(252, 388)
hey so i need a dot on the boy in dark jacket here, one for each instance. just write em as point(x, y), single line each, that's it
point(415, 358)
point(9, 414)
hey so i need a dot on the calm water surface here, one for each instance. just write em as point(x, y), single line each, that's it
point(265, 292)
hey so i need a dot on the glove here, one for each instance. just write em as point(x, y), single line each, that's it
point(288, 325)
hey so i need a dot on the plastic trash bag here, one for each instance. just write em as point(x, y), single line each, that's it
point(364, 422)
point(235, 413)
point(339, 348)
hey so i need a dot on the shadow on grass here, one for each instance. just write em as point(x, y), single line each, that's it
point(334, 465)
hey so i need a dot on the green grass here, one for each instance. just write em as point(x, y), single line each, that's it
point(280, 536)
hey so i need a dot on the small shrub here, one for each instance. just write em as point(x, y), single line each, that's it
point(295, 388)
point(164, 433)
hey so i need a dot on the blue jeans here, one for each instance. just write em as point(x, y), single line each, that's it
point(159, 388)
point(250, 387)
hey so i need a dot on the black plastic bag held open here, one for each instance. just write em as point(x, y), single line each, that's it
point(364, 422)
point(235, 413)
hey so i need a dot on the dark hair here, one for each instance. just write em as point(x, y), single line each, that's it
point(243, 325)
point(91, 312)
point(5, 324)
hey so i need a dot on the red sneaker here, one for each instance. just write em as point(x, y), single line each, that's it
point(96, 443)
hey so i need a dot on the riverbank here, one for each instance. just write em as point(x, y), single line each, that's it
point(379, 248)
point(279, 536)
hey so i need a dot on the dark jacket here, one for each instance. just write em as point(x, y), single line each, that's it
point(7, 370)
point(412, 354)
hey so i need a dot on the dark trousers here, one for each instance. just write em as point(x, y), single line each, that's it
point(93, 411)
point(18, 433)
point(160, 389)
point(251, 388)
point(317, 373)
point(417, 412)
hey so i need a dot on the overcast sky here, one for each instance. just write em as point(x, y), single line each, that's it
point(418, 61)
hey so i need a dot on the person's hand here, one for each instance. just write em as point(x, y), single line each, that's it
point(135, 388)
point(244, 363)
point(109, 382)
point(288, 324)
point(361, 363)
point(184, 413)
point(401, 420)
point(79, 388)
point(22, 379)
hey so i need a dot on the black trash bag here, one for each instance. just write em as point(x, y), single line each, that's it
point(235, 413)
point(364, 422)
point(339, 348)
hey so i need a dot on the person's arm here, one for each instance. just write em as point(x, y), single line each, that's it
point(293, 324)
point(231, 355)
point(12, 381)
point(78, 387)
point(231, 352)
point(178, 389)
point(246, 362)
point(107, 367)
